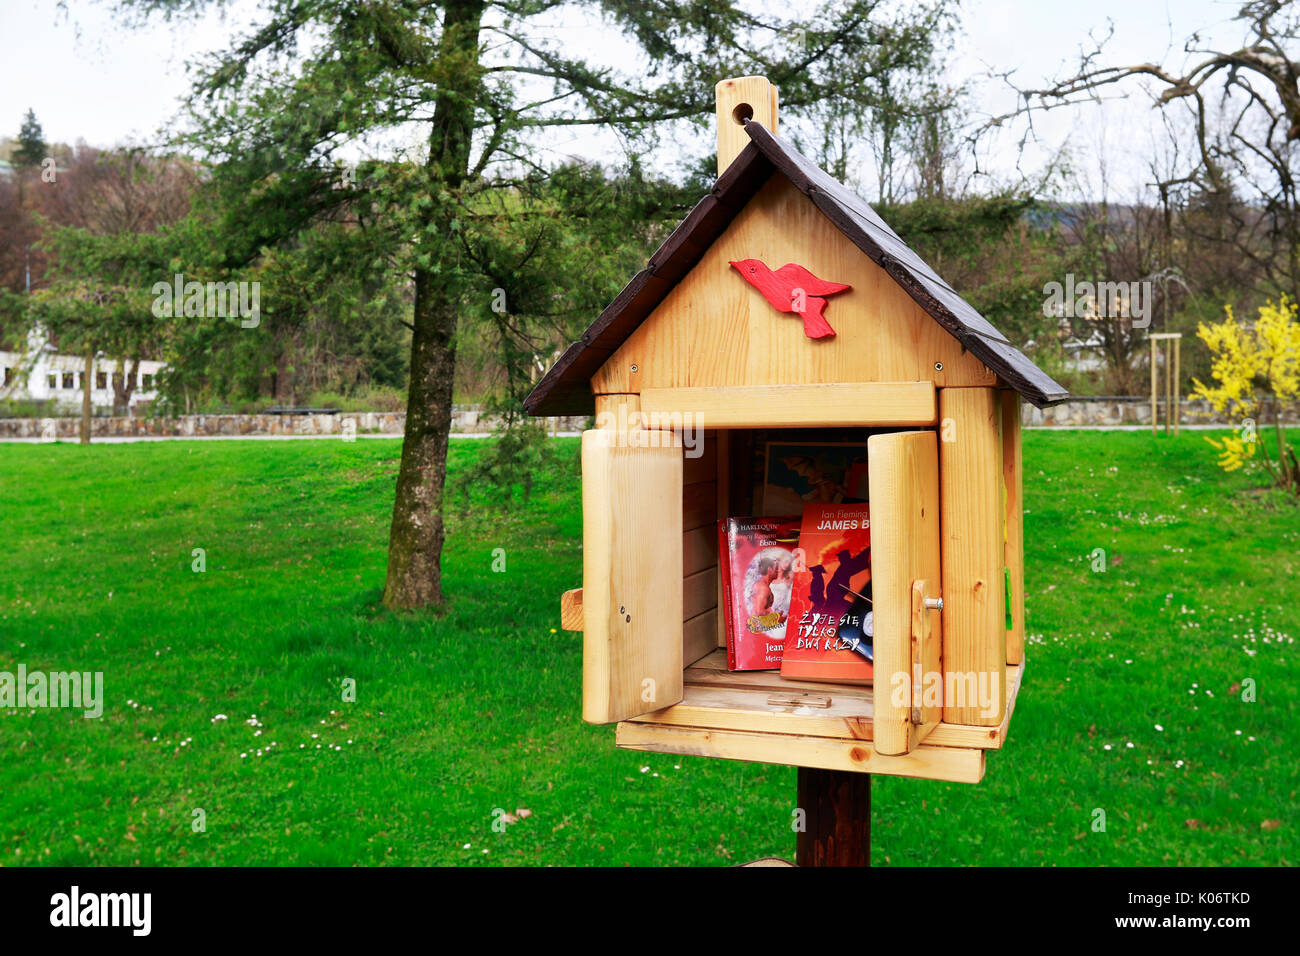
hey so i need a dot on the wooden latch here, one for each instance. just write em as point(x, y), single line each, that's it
point(921, 606)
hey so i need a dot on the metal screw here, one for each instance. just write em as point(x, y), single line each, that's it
point(934, 604)
point(634, 368)
point(938, 366)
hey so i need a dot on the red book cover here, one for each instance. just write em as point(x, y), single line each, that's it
point(757, 556)
point(830, 604)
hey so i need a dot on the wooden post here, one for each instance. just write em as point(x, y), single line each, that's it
point(1169, 386)
point(1155, 415)
point(1178, 400)
point(837, 818)
point(738, 99)
point(1169, 346)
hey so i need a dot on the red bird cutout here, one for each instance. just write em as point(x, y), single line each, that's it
point(792, 288)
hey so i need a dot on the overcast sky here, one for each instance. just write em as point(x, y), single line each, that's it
point(89, 77)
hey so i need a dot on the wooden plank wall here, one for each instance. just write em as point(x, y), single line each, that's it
point(971, 515)
point(1013, 478)
point(735, 497)
point(700, 582)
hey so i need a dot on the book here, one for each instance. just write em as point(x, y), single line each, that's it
point(828, 637)
point(756, 559)
point(797, 474)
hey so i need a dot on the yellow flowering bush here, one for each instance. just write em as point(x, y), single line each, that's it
point(1235, 451)
point(1248, 366)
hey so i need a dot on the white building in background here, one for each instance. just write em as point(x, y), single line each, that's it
point(42, 374)
point(1085, 355)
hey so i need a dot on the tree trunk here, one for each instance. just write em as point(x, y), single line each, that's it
point(124, 386)
point(87, 383)
point(416, 535)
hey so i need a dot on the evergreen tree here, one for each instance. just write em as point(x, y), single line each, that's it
point(489, 87)
point(31, 143)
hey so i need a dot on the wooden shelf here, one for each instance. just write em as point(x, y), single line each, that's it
point(757, 716)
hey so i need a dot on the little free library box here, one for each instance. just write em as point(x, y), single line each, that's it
point(784, 309)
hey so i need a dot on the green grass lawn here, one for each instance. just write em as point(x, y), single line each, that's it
point(1132, 702)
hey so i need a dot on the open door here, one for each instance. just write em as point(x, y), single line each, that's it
point(907, 699)
point(631, 573)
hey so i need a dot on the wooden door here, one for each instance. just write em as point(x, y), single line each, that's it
point(907, 692)
point(631, 573)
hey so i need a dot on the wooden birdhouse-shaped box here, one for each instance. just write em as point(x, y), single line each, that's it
point(781, 307)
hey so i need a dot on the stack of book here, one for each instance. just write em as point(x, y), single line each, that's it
point(797, 587)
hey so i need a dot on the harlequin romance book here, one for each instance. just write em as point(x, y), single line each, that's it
point(828, 637)
point(757, 556)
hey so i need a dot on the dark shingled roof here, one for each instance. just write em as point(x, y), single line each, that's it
point(566, 388)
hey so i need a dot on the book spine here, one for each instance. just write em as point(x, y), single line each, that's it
point(724, 569)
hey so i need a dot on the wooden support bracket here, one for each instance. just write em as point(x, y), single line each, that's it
point(571, 610)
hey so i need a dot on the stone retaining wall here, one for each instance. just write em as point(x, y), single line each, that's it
point(1119, 410)
point(464, 419)
point(1083, 411)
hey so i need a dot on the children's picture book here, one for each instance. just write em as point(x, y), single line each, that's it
point(828, 637)
point(796, 474)
point(757, 558)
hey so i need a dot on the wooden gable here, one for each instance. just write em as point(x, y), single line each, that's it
point(713, 328)
point(757, 200)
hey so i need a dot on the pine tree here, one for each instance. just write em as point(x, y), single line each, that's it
point(491, 88)
point(31, 142)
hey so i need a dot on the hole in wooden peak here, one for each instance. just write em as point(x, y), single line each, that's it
point(742, 114)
